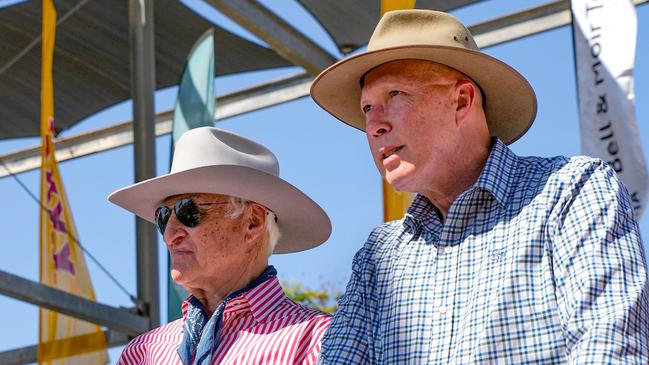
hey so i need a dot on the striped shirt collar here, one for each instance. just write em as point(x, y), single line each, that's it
point(202, 334)
point(260, 300)
point(496, 177)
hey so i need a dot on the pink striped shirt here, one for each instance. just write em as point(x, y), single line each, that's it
point(262, 326)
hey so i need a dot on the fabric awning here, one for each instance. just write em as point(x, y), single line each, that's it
point(92, 59)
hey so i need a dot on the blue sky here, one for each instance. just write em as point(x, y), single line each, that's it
point(325, 158)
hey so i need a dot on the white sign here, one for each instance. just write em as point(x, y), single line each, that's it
point(605, 40)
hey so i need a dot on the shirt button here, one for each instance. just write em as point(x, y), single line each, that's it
point(442, 309)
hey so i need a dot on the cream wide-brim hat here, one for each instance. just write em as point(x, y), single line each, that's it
point(510, 102)
point(211, 160)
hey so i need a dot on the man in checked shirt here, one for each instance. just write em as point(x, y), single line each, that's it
point(222, 211)
point(500, 259)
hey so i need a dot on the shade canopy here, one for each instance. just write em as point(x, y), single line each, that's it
point(92, 58)
point(92, 54)
point(351, 23)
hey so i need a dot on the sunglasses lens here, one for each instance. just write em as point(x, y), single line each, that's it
point(187, 212)
point(162, 215)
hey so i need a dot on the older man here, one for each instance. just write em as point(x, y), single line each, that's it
point(500, 259)
point(222, 211)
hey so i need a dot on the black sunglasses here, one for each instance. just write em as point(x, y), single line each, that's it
point(186, 211)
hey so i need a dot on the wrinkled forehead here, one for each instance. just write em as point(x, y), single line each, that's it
point(411, 69)
point(199, 197)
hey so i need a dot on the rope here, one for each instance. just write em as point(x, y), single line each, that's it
point(74, 239)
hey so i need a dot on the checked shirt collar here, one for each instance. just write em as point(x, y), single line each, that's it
point(496, 178)
point(201, 335)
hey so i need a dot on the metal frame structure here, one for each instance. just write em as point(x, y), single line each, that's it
point(143, 92)
point(497, 31)
point(286, 41)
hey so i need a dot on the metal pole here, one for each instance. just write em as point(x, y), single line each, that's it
point(63, 302)
point(143, 88)
point(236, 103)
point(287, 41)
point(28, 355)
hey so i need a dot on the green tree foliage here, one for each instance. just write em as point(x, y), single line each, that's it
point(325, 299)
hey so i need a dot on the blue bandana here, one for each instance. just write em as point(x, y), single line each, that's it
point(201, 335)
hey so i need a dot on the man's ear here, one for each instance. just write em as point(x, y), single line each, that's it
point(465, 98)
point(256, 222)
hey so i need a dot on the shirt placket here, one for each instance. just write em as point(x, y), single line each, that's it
point(446, 311)
point(445, 306)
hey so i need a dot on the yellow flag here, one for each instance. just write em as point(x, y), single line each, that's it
point(388, 5)
point(62, 339)
point(395, 204)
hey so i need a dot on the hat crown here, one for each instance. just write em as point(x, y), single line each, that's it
point(209, 146)
point(213, 161)
point(424, 27)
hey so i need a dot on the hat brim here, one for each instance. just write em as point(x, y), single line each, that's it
point(302, 223)
point(510, 101)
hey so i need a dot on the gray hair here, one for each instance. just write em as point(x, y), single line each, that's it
point(236, 207)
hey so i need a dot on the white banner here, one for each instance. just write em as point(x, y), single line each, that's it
point(605, 40)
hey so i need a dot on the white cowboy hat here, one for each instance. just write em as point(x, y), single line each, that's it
point(211, 160)
point(510, 102)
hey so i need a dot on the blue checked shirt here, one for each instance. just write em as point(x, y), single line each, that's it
point(539, 262)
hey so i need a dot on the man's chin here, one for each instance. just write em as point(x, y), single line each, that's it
point(178, 277)
point(398, 182)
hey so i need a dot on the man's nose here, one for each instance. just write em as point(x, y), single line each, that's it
point(174, 232)
point(376, 122)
